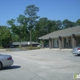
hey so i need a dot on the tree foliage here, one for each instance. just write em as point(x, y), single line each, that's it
point(31, 13)
point(5, 36)
point(66, 23)
point(78, 22)
point(23, 27)
point(29, 27)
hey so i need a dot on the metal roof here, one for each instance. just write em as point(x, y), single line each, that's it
point(62, 33)
point(24, 43)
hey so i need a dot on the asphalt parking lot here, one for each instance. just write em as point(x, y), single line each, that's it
point(43, 64)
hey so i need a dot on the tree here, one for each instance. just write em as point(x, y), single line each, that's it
point(53, 26)
point(19, 30)
point(11, 22)
point(22, 20)
point(31, 13)
point(45, 26)
point(5, 36)
point(13, 29)
point(66, 23)
point(78, 22)
point(58, 24)
point(42, 26)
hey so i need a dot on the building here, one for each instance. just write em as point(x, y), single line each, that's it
point(66, 38)
point(23, 44)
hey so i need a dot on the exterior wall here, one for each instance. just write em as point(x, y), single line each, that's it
point(67, 42)
point(56, 43)
point(42, 43)
point(50, 43)
point(73, 41)
point(77, 40)
point(60, 42)
point(63, 42)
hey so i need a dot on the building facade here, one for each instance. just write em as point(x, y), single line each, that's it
point(66, 38)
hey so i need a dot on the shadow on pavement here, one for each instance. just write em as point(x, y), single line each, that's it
point(11, 67)
point(77, 55)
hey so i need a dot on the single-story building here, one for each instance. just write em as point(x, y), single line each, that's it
point(66, 38)
point(23, 44)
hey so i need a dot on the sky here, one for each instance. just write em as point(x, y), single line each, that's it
point(52, 9)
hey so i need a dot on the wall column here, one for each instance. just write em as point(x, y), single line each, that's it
point(42, 41)
point(50, 43)
point(73, 40)
point(60, 42)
